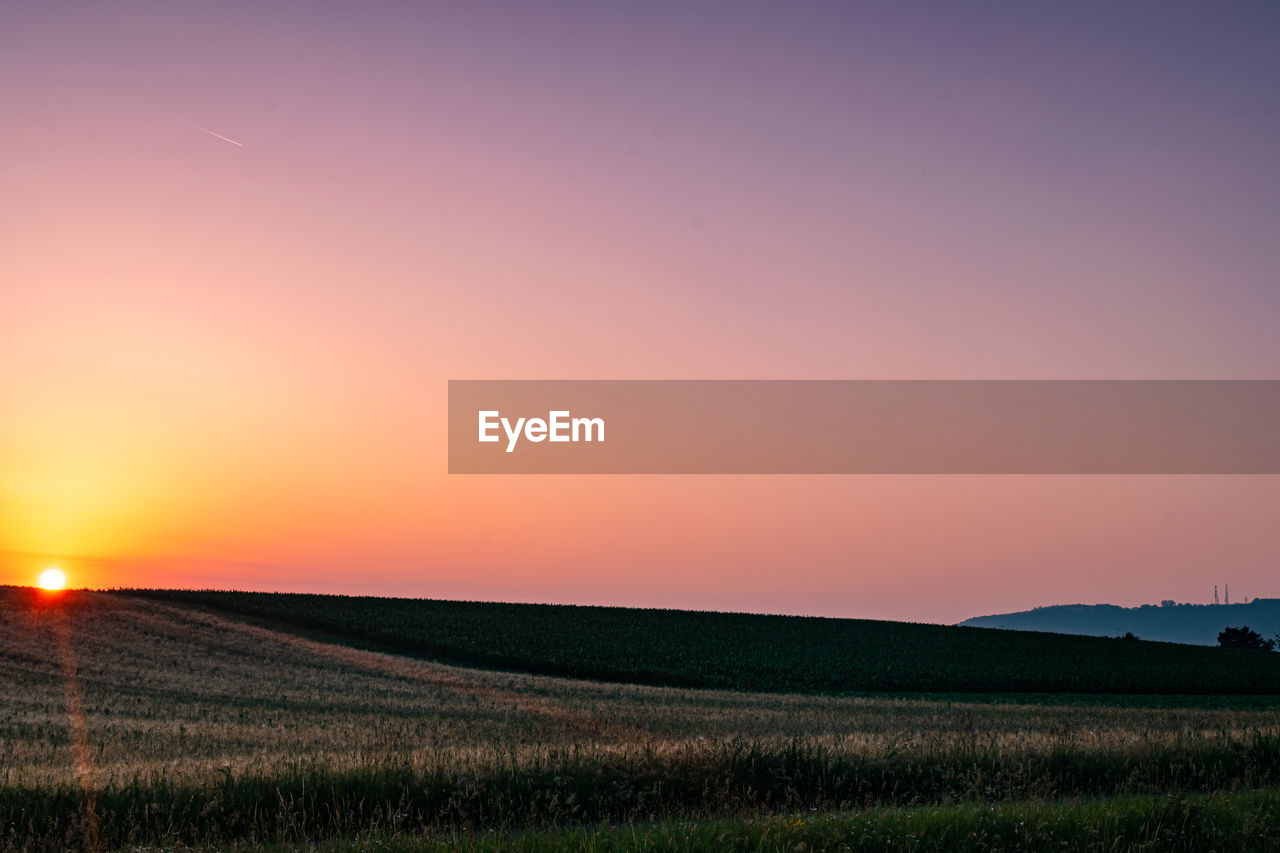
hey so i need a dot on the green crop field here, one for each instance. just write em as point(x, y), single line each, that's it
point(229, 722)
point(736, 651)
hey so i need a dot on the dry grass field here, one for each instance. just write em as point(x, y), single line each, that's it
point(127, 721)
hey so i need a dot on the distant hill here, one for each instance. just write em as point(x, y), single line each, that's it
point(1197, 624)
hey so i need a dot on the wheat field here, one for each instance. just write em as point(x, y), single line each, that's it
point(196, 727)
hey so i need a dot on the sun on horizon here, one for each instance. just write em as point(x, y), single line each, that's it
point(52, 578)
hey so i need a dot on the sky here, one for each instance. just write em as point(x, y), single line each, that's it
point(244, 246)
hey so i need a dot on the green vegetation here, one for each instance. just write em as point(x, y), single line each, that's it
point(749, 652)
point(1226, 823)
point(571, 786)
point(1244, 638)
point(214, 732)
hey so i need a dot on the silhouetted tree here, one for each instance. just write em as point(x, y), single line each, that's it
point(1243, 638)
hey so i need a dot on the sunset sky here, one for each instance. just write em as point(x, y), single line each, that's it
point(243, 248)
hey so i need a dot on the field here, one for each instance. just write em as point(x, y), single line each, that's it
point(132, 721)
point(734, 651)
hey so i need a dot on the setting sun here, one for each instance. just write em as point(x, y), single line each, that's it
point(52, 579)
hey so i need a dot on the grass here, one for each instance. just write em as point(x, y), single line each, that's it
point(544, 787)
point(207, 730)
point(1238, 822)
point(1227, 823)
point(737, 651)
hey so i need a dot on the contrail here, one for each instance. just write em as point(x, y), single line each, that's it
point(219, 135)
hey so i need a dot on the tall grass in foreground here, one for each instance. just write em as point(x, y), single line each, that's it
point(561, 787)
point(1244, 822)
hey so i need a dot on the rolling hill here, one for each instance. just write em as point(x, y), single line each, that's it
point(738, 651)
